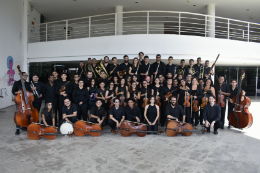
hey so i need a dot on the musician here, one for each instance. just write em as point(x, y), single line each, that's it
point(98, 114)
point(92, 90)
point(151, 114)
point(116, 81)
point(122, 89)
point(88, 77)
point(201, 84)
point(48, 115)
point(75, 83)
point(124, 66)
point(224, 92)
point(114, 68)
point(93, 69)
point(179, 78)
point(212, 115)
point(133, 70)
point(38, 87)
point(181, 99)
point(17, 86)
point(156, 88)
point(106, 64)
point(103, 79)
point(100, 94)
point(171, 68)
point(188, 80)
point(166, 89)
point(183, 70)
point(169, 75)
point(135, 79)
point(145, 69)
point(89, 62)
point(69, 112)
point(117, 115)
point(162, 80)
point(199, 67)
point(56, 80)
point(145, 91)
point(175, 83)
point(158, 66)
point(191, 66)
point(129, 81)
point(141, 55)
point(64, 94)
point(81, 70)
point(132, 112)
point(209, 88)
point(110, 93)
point(133, 93)
point(80, 97)
point(174, 111)
point(207, 70)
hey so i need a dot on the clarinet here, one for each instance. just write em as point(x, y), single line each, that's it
point(34, 91)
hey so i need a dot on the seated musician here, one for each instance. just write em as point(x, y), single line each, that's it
point(48, 115)
point(117, 115)
point(173, 111)
point(69, 112)
point(98, 114)
point(212, 115)
point(132, 112)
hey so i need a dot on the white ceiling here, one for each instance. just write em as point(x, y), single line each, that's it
point(55, 10)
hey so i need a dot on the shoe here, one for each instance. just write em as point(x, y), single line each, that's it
point(222, 127)
point(17, 132)
point(201, 124)
point(208, 130)
point(215, 132)
point(229, 126)
point(24, 128)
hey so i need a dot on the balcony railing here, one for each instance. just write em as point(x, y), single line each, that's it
point(147, 22)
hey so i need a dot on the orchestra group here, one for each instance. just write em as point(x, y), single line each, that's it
point(138, 91)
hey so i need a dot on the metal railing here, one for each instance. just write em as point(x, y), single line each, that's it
point(147, 22)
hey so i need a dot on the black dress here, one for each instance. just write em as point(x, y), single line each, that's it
point(48, 119)
point(120, 89)
point(151, 115)
point(132, 96)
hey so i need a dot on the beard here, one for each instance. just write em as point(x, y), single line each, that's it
point(126, 61)
point(173, 104)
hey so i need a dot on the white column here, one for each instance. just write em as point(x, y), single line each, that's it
point(211, 20)
point(25, 37)
point(119, 12)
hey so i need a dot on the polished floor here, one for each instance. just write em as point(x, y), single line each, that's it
point(229, 151)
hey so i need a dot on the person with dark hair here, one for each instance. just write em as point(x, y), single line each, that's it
point(115, 79)
point(158, 67)
point(69, 111)
point(133, 93)
point(48, 115)
point(135, 79)
point(171, 68)
point(145, 91)
point(193, 69)
point(103, 79)
point(63, 94)
point(199, 67)
point(188, 80)
point(98, 114)
point(201, 84)
point(141, 55)
point(151, 115)
point(92, 90)
point(207, 72)
point(75, 83)
point(87, 78)
point(162, 80)
point(116, 115)
point(107, 65)
point(179, 78)
point(17, 89)
point(80, 97)
point(110, 94)
point(56, 79)
point(122, 89)
point(212, 115)
point(37, 89)
point(114, 68)
point(94, 65)
point(133, 70)
point(132, 112)
point(80, 72)
point(124, 66)
point(174, 111)
point(146, 69)
point(129, 82)
point(183, 70)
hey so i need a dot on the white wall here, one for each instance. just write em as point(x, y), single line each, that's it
point(178, 46)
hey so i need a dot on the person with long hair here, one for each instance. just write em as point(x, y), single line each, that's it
point(133, 93)
point(135, 79)
point(151, 115)
point(209, 88)
point(129, 82)
point(116, 81)
point(179, 78)
point(133, 70)
point(122, 89)
point(92, 89)
point(48, 115)
point(110, 93)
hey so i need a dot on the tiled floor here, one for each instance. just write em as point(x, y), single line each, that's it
point(229, 151)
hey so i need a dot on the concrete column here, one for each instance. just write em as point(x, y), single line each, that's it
point(119, 24)
point(211, 20)
point(25, 37)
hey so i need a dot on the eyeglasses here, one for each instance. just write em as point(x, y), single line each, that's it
point(50, 104)
point(111, 84)
point(25, 75)
point(81, 82)
point(67, 102)
point(75, 76)
point(116, 102)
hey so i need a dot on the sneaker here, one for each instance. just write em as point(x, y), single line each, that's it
point(17, 132)
point(215, 132)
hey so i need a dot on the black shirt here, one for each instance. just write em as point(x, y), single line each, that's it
point(49, 93)
point(144, 68)
point(185, 70)
point(73, 108)
point(175, 112)
point(18, 86)
point(132, 113)
point(81, 72)
point(117, 113)
point(171, 69)
point(212, 113)
point(199, 69)
point(80, 95)
point(224, 88)
point(103, 80)
point(68, 89)
point(57, 81)
point(39, 88)
point(112, 67)
point(100, 113)
point(196, 74)
point(107, 67)
point(161, 68)
point(123, 66)
point(165, 90)
point(143, 91)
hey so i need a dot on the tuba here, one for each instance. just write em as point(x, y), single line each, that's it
point(101, 67)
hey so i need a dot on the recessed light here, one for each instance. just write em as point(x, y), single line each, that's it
point(194, 5)
point(136, 2)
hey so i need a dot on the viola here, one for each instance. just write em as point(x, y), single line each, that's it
point(145, 99)
point(122, 100)
point(135, 98)
point(122, 73)
point(83, 128)
point(195, 105)
point(112, 103)
point(25, 113)
point(63, 87)
point(221, 101)
point(241, 117)
point(158, 100)
point(186, 100)
point(36, 131)
point(169, 94)
point(204, 101)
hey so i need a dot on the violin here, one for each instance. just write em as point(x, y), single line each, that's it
point(127, 128)
point(122, 73)
point(25, 113)
point(186, 100)
point(145, 99)
point(221, 97)
point(241, 117)
point(195, 105)
point(83, 128)
point(36, 131)
point(169, 94)
point(158, 100)
point(63, 87)
point(135, 98)
point(122, 100)
point(112, 103)
point(204, 101)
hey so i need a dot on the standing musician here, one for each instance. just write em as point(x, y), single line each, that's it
point(38, 87)
point(183, 70)
point(114, 68)
point(122, 89)
point(48, 115)
point(88, 77)
point(89, 62)
point(188, 80)
point(158, 67)
point(174, 111)
point(132, 112)
point(133, 93)
point(103, 79)
point(193, 69)
point(146, 69)
point(133, 70)
point(81, 70)
point(165, 100)
point(124, 66)
point(145, 91)
point(92, 90)
point(63, 94)
point(93, 68)
point(151, 114)
point(75, 83)
point(110, 94)
point(200, 68)
point(141, 55)
point(224, 92)
point(201, 84)
point(212, 115)
point(80, 97)
point(107, 65)
point(171, 68)
point(98, 114)
point(69, 112)
point(207, 70)
point(117, 115)
point(17, 90)
point(181, 99)
point(56, 80)
point(50, 96)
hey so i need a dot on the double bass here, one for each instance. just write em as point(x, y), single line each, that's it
point(26, 113)
point(241, 117)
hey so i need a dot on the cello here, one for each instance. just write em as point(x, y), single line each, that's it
point(241, 117)
point(82, 128)
point(25, 113)
point(221, 102)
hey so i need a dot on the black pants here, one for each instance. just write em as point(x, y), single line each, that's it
point(230, 109)
point(72, 119)
point(37, 105)
point(218, 124)
point(163, 115)
point(223, 111)
point(94, 120)
point(61, 104)
point(201, 115)
point(195, 115)
point(133, 119)
point(82, 110)
point(152, 128)
point(112, 123)
point(187, 113)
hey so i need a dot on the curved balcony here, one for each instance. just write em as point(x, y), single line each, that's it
point(147, 22)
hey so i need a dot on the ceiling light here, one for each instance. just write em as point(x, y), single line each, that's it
point(136, 2)
point(194, 5)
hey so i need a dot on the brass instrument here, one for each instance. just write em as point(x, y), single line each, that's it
point(103, 96)
point(192, 71)
point(114, 68)
point(180, 71)
point(101, 67)
point(201, 71)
